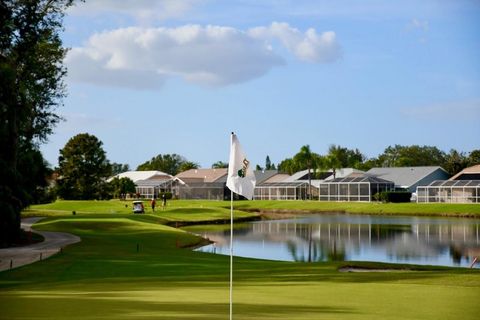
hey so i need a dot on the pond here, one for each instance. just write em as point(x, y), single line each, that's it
point(344, 237)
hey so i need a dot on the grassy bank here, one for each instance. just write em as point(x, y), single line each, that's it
point(182, 210)
point(104, 276)
point(442, 209)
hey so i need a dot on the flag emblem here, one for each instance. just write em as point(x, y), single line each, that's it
point(243, 172)
point(241, 179)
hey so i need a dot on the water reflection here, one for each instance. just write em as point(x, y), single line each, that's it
point(339, 237)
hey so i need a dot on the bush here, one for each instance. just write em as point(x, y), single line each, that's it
point(167, 194)
point(393, 196)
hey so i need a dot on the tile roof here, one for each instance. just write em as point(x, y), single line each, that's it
point(204, 175)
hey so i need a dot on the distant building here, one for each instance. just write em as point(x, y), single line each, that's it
point(470, 173)
point(464, 187)
point(355, 187)
point(296, 187)
point(148, 184)
point(409, 177)
point(207, 184)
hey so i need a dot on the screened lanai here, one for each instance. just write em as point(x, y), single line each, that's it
point(451, 191)
point(281, 191)
point(353, 188)
point(152, 188)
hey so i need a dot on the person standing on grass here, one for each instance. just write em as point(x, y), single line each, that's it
point(152, 203)
point(164, 201)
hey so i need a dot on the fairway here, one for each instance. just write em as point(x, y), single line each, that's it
point(105, 277)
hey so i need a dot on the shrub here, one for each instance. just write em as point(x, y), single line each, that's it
point(393, 196)
point(167, 194)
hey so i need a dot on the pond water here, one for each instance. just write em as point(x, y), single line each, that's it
point(343, 237)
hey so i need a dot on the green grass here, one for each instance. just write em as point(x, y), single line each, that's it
point(444, 209)
point(200, 210)
point(104, 277)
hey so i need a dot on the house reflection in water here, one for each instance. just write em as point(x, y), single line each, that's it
point(336, 237)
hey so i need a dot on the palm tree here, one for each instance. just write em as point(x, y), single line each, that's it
point(333, 163)
point(306, 158)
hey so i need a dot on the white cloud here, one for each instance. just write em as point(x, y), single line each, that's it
point(213, 55)
point(308, 46)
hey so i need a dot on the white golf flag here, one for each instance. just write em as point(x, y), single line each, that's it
point(240, 179)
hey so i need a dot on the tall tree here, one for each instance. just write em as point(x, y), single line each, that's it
point(347, 158)
point(219, 165)
point(168, 163)
point(455, 162)
point(31, 87)
point(268, 164)
point(187, 165)
point(305, 158)
point(288, 166)
point(121, 187)
point(83, 169)
point(474, 157)
point(118, 168)
point(409, 156)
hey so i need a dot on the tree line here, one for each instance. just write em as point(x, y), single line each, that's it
point(393, 156)
point(83, 168)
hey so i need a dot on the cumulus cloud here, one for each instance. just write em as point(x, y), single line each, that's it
point(213, 55)
point(308, 46)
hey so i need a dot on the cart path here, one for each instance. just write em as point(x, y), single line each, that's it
point(53, 243)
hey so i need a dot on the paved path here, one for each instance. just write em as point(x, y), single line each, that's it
point(19, 256)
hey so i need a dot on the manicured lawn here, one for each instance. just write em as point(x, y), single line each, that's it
point(443, 209)
point(203, 209)
point(104, 277)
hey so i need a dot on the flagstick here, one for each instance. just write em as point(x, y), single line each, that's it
point(231, 255)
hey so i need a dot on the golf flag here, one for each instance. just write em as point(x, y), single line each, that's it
point(240, 178)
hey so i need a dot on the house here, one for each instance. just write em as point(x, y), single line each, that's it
point(296, 187)
point(409, 177)
point(355, 187)
point(208, 184)
point(464, 187)
point(470, 173)
point(148, 184)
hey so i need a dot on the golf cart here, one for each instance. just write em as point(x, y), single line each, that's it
point(138, 207)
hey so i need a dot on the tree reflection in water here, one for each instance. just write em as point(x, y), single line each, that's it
point(337, 237)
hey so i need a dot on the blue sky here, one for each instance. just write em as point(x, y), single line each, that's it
point(156, 77)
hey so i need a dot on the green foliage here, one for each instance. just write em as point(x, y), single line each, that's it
point(393, 156)
point(31, 87)
point(268, 164)
point(219, 165)
point(410, 156)
point(83, 169)
point(168, 195)
point(344, 157)
point(288, 166)
point(121, 187)
point(474, 157)
point(187, 165)
point(118, 168)
point(168, 163)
